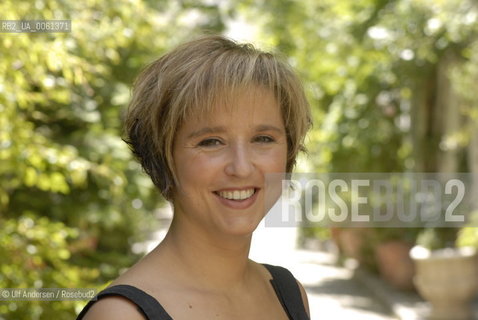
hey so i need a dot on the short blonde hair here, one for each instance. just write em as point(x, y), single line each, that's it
point(192, 78)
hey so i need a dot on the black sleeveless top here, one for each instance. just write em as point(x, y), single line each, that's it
point(282, 281)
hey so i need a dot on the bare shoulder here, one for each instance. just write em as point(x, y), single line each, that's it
point(261, 270)
point(305, 300)
point(115, 307)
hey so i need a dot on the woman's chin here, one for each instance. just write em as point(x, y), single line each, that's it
point(241, 228)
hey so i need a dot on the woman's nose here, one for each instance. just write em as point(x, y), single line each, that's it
point(240, 163)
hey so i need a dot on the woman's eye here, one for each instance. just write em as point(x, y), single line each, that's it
point(264, 139)
point(210, 143)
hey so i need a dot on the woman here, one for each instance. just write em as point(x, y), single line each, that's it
point(208, 121)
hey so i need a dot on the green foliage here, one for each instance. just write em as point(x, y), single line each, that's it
point(468, 235)
point(72, 198)
point(437, 238)
point(35, 253)
point(366, 64)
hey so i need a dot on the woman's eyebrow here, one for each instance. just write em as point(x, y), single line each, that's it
point(221, 129)
point(206, 130)
point(267, 127)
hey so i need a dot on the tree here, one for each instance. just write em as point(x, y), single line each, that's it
point(376, 72)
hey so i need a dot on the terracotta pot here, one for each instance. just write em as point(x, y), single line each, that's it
point(351, 242)
point(394, 263)
point(448, 279)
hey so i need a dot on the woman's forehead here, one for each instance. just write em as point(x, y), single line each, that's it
point(230, 100)
point(254, 107)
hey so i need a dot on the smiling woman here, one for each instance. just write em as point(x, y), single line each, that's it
point(207, 122)
point(221, 170)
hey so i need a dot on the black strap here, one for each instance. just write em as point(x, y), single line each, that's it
point(147, 305)
point(288, 291)
point(283, 282)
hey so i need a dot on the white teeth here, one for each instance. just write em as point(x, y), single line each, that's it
point(237, 194)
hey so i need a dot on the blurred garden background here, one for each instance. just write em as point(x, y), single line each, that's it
point(393, 86)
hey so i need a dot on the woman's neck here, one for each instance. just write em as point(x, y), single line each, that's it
point(206, 259)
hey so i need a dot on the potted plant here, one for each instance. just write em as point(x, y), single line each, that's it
point(446, 275)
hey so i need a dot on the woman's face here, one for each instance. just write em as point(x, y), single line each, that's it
point(221, 160)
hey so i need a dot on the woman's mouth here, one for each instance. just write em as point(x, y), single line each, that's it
point(237, 195)
point(237, 198)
